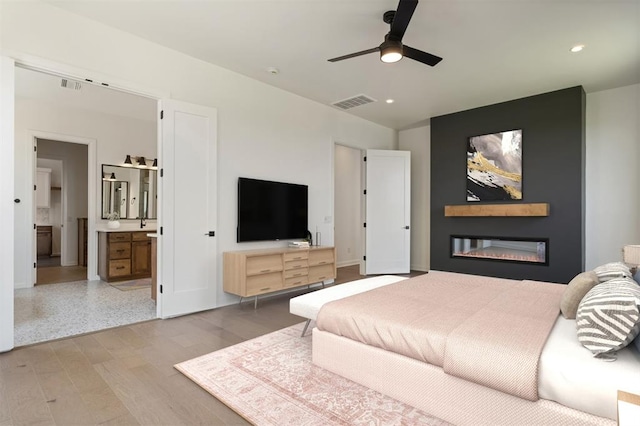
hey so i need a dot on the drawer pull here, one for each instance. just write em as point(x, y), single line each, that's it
point(297, 258)
point(297, 275)
point(266, 288)
point(297, 282)
point(119, 267)
point(322, 263)
point(322, 278)
point(266, 270)
point(296, 267)
point(120, 250)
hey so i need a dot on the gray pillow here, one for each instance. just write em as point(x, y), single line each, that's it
point(608, 316)
point(577, 288)
point(612, 270)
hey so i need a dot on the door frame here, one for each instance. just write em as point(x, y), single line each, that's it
point(8, 62)
point(92, 240)
point(361, 233)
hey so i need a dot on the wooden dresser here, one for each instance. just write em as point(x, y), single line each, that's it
point(124, 255)
point(258, 272)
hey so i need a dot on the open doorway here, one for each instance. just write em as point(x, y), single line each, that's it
point(348, 208)
point(61, 211)
point(75, 129)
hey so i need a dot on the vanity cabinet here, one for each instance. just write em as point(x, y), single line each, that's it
point(258, 272)
point(123, 255)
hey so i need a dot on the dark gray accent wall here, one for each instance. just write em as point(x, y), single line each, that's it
point(553, 158)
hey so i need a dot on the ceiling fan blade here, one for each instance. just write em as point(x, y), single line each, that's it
point(353, 55)
point(420, 56)
point(402, 17)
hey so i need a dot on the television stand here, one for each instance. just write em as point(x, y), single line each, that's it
point(255, 273)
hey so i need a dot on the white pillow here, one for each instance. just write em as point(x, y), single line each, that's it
point(612, 270)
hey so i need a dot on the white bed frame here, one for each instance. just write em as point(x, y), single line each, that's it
point(430, 389)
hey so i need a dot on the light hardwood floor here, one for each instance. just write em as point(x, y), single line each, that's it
point(125, 375)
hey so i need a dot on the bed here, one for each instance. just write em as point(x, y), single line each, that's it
point(432, 342)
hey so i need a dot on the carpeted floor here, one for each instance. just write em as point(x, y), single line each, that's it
point(270, 380)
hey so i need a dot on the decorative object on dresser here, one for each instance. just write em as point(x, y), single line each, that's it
point(123, 255)
point(258, 272)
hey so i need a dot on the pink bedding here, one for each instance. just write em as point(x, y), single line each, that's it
point(486, 330)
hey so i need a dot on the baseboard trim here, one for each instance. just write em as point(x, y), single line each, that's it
point(347, 263)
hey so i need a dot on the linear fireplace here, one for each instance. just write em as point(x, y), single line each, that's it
point(521, 250)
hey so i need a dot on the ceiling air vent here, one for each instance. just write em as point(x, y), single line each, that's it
point(70, 84)
point(353, 102)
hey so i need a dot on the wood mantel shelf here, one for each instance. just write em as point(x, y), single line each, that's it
point(526, 210)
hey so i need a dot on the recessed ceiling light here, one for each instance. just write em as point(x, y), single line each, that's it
point(389, 101)
point(577, 48)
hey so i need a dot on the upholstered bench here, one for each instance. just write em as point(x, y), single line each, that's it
point(308, 305)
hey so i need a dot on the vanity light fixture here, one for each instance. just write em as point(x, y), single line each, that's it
point(140, 162)
point(113, 176)
point(155, 163)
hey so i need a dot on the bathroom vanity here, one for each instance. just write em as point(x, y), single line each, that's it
point(124, 255)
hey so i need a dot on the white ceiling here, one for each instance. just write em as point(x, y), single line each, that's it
point(493, 50)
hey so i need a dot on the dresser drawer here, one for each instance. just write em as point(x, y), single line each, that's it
point(321, 273)
point(119, 236)
point(264, 283)
point(264, 264)
point(300, 272)
point(296, 281)
point(321, 257)
point(118, 268)
point(297, 255)
point(295, 264)
point(119, 251)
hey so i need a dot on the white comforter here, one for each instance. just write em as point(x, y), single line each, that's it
point(570, 375)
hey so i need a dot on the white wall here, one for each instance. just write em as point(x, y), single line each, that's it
point(418, 141)
point(116, 136)
point(347, 209)
point(612, 173)
point(263, 132)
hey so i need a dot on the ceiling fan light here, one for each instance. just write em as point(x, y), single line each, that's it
point(390, 51)
point(390, 57)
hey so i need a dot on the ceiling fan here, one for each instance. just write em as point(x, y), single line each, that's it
point(392, 49)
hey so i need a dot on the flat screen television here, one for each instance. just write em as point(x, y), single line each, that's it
point(269, 211)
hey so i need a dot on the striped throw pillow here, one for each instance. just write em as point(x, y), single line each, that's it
point(608, 316)
point(612, 270)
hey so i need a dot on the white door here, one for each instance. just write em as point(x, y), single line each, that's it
point(7, 202)
point(387, 212)
point(187, 255)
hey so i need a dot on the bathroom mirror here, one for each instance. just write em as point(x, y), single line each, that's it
point(130, 191)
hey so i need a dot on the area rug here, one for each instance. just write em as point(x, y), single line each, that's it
point(132, 285)
point(270, 380)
